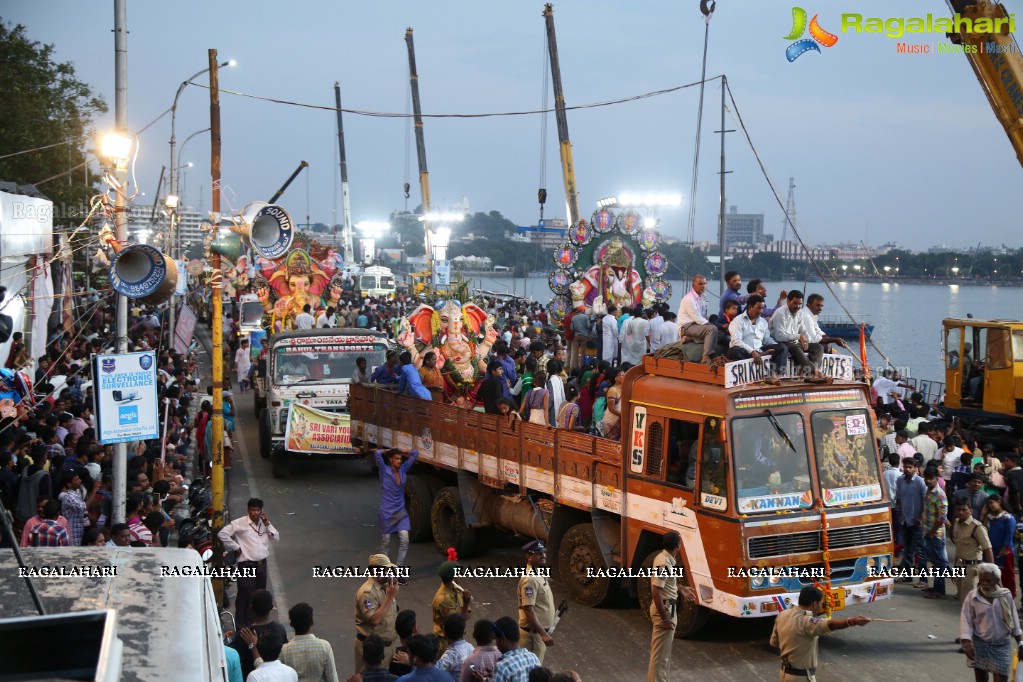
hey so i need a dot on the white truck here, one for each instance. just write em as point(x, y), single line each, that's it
point(312, 368)
point(113, 613)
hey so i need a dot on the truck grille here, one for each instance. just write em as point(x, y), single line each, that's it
point(765, 546)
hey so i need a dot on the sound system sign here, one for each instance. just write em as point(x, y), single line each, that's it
point(125, 397)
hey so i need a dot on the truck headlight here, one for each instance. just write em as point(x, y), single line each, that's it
point(774, 580)
point(756, 583)
point(884, 562)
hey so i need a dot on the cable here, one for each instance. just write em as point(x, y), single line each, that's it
point(36, 149)
point(531, 112)
point(691, 230)
point(777, 198)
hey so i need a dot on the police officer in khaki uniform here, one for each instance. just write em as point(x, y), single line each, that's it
point(664, 591)
point(376, 609)
point(449, 598)
point(796, 631)
point(536, 601)
point(972, 547)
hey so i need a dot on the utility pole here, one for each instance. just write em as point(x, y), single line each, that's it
point(121, 231)
point(346, 207)
point(721, 210)
point(217, 484)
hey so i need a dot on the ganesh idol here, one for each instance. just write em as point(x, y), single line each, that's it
point(621, 282)
point(461, 336)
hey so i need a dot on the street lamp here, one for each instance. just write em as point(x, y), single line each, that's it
point(174, 115)
point(955, 272)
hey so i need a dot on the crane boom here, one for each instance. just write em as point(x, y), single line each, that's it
point(998, 65)
point(567, 169)
point(424, 175)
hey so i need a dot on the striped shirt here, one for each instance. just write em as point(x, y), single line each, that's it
point(935, 509)
point(311, 657)
point(515, 665)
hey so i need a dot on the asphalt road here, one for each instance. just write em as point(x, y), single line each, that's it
point(326, 514)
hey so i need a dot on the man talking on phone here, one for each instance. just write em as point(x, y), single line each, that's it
point(250, 537)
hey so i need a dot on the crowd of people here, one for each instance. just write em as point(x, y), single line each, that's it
point(55, 476)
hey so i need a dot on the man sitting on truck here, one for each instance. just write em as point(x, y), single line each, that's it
point(751, 338)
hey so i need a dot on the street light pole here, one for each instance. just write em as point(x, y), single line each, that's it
point(121, 232)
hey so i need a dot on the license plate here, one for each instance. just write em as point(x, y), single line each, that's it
point(837, 599)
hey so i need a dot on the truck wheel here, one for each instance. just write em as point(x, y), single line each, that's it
point(265, 440)
point(579, 558)
point(691, 617)
point(280, 463)
point(417, 503)
point(448, 521)
point(260, 402)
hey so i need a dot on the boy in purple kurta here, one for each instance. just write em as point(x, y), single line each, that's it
point(392, 517)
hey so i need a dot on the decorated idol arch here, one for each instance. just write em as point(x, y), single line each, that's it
point(612, 259)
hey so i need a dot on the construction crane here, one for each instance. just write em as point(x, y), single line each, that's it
point(567, 169)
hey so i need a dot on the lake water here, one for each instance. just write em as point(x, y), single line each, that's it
point(906, 317)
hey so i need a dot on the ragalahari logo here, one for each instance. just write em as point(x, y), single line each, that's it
point(817, 34)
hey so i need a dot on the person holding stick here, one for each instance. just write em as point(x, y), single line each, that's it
point(796, 632)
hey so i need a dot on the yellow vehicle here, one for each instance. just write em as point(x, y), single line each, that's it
point(984, 368)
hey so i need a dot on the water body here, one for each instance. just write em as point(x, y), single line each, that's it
point(906, 317)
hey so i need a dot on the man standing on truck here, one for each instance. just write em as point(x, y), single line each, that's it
point(796, 631)
point(250, 537)
point(536, 601)
point(664, 591)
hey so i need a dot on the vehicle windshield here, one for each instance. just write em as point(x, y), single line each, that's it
point(310, 364)
point(386, 282)
point(367, 282)
point(772, 470)
point(252, 313)
point(846, 458)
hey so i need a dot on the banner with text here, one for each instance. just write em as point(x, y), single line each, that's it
point(317, 431)
point(126, 402)
point(183, 330)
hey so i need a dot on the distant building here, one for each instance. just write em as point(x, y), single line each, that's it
point(744, 228)
point(189, 220)
point(793, 250)
point(550, 235)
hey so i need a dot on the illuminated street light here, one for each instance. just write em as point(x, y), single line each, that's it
point(955, 272)
point(373, 229)
point(116, 148)
point(649, 222)
point(442, 218)
point(649, 200)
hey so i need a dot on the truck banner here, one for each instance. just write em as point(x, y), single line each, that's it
point(316, 431)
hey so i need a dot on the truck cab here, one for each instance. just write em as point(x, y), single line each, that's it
point(377, 282)
point(312, 368)
point(984, 367)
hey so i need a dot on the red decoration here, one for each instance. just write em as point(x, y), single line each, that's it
point(452, 554)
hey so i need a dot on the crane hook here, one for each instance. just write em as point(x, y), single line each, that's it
point(407, 188)
point(707, 7)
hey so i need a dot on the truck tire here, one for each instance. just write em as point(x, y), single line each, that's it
point(691, 617)
point(418, 499)
point(578, 554)
point(259, 401)
point(280, 463)
point(265, 440)
point(448, 522)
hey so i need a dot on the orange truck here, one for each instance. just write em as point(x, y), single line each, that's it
point(772, 488)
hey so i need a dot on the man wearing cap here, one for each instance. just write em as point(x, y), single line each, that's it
point(376, 609)
point(450, 598)
point(664, 591)
point(536, 601)
point(972, 544)
point(797, 630)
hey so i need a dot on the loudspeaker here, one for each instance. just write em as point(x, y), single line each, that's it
point(142, 272)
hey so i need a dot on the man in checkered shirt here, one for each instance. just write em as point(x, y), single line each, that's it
point(515, 663)
point(311, 657)
point(49, 533)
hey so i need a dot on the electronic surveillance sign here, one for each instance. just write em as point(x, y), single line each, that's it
point(125, 396)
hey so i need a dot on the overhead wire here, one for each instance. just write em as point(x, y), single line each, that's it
point(777, 197)
point(34, 149)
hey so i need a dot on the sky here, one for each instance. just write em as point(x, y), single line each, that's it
point(883, 146)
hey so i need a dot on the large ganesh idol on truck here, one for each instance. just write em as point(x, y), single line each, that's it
point(612, 259)
point(460, 335)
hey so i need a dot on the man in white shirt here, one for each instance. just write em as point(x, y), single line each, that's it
point(810, 326)
point(668, 333)
point(361, 374)
point(654, 322)
point(271, 670)
point(923, 443)
point(751, 337)
point(326, 319)
point(888, 387)
point(692, 318)
point(305, 319)
point(250, 537)
point(785, 329)
point(609, 336)
point(632, 337)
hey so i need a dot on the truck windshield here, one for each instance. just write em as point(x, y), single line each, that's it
point(386, 282)
point(367, 282)
point(298, 363)
point(252, 313)
point(772, 470)
point(846, 458)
